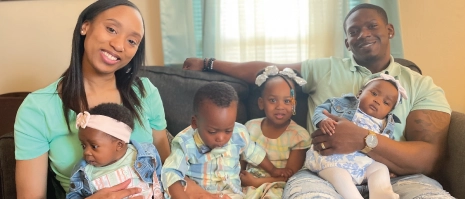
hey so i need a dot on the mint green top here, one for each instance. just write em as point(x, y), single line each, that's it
point(333, 77)
point(40, 127)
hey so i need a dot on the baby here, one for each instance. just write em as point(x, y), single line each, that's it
point(110, 158)
point(371, 110)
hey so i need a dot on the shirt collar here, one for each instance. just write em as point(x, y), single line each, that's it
point(200, 144)
point(392, 69)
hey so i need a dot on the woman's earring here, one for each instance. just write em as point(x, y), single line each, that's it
point(390, 36)
point(129, 70)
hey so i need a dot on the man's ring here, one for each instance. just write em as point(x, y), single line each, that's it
point(323, 146)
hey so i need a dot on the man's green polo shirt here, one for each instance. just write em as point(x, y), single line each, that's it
point(333, 77)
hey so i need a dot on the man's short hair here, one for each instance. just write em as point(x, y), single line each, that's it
point(381, 12)
point(219, 93)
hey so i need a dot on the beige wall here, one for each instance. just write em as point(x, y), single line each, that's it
point(433, 34)
point(35, 40)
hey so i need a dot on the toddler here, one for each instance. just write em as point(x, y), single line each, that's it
point(208, 151)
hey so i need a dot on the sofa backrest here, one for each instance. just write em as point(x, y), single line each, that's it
point(9, 104)
point(177, 88)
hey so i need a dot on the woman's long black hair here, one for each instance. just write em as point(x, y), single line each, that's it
point(72, 84)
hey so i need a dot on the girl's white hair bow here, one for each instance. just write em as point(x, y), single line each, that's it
point(273, 71)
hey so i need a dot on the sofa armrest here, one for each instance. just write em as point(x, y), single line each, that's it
point(452, 174)
point(7, 166)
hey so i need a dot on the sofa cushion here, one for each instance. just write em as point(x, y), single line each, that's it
point(451, 173)
point(177, 88)
point(7, 166)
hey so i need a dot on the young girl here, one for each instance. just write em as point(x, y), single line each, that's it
point(283, 139)
point(370, 110)
point(110, 158)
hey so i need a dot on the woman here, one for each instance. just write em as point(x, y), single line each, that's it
point(108, 50)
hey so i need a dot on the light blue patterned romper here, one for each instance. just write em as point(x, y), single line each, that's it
point(355, 163)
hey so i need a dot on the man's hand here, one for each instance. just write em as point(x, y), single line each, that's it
point(193, 64)
point(117, 192)
point(327, 126)
point(347, 137)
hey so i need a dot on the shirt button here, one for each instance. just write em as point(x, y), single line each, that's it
point(139, 165)
point(350, 112)
point(146, 175)
point(388, 131)
point(72, 185)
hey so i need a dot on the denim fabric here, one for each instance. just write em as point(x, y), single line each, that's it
point(355, 163)
point(147, 162)
point(307, 185)
point(346, 106)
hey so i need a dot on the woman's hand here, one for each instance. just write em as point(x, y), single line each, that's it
point(117, 192)
point(193, 64)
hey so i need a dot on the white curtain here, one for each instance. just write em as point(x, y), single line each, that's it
point(279, 31)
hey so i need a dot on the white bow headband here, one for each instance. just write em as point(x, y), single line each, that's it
point(401, 90)
point(105, 124)
point(273, 70)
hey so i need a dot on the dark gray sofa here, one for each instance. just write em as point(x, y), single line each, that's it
point(177, 88)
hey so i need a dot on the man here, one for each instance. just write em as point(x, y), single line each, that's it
point(425, 116)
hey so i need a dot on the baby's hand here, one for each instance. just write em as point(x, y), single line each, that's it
point(327, 126)
point(283, 172)
point(247, 179)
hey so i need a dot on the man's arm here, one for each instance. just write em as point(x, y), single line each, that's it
point(246, 71)
point(426, 133)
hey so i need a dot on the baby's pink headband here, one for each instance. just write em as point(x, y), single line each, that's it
point(105, 124)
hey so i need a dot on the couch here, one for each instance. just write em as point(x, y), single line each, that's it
point(177, 88)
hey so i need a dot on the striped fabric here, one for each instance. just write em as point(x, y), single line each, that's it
point(293, 138)
point(216, 170)
point(278, 150)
